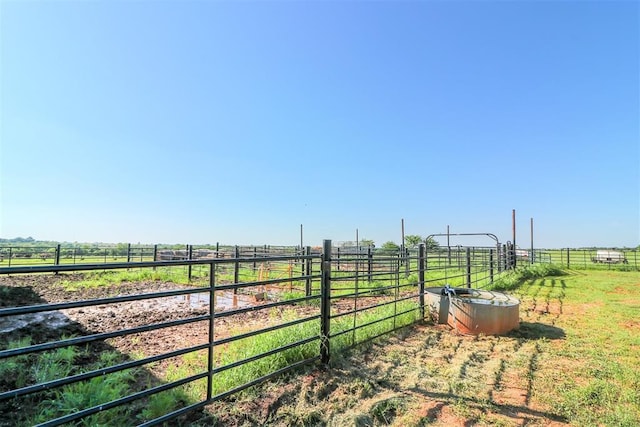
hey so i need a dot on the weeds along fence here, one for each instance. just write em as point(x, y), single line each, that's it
point(226, 324)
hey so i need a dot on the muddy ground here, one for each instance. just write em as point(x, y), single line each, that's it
point(425, 375)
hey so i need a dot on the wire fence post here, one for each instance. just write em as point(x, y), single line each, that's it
point(190, 257)
point(407, 262)
point(325, 307)
point(490, 265)
point(128, 252)
point(255, 255)
point(57, 258)
point(236, 268)
point(307, 286)
point(568, 262)
point(212, 315)
point(468, 267)
point(369, 264)
point(421, 265)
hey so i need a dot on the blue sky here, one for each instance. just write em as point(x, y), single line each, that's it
point(235, 122)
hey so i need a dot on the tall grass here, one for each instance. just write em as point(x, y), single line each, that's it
point(24, 370)
point(512, 279)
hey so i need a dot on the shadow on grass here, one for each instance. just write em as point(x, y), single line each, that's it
point(536, 331)
point(507, 410)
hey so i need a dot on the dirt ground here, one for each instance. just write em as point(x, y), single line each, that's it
point(425, 375)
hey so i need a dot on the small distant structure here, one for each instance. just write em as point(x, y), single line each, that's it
point(522, 254)
point(171, 255)
point(181, 255)
point(609, 257)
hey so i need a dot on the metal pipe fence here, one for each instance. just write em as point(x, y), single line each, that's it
point(25, 255)
point(309, 305)
point(585, 258)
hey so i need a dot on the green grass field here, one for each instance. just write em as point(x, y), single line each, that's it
point(592, 375)
point(575, 360)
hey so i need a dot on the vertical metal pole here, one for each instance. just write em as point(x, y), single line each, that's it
point(212, 316)
point(448, 246)
point(369, 264)
point(531, 256)
point(255, 255)
point(397, 272)
point(491, 265)
point(308, 262)
point(426, 258)
point(421, 268)
point(468, 267)
point(57, 258)
point(513, 221)
point(11, 256)
point(325, 307)
point(407, 262)
point(236, 268)
point(403, 243)
point(155, 255)
point(190, 256)
point(128, 252)
point(568, 262)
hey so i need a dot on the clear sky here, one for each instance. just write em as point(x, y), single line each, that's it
point(236, 122)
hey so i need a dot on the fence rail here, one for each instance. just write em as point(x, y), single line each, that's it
point(309, 305)
point(586, 259)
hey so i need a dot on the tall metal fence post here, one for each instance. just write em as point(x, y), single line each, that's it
point(236, 268)
point(57, 258)
point(190, 257)
point(568, 262)
point(302, 263)
point(407, 263)
point(421, 265)
point(255, 255)
point(369, 264)
point(307, 286)
point(325, 307)
point(491, 265)
point(212, 303)
point(468, 267)
point(397, 272)
point(128, 252)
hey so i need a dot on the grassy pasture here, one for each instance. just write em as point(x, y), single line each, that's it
point(574, 361)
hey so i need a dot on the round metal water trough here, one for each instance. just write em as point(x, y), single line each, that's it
point(474, 311)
